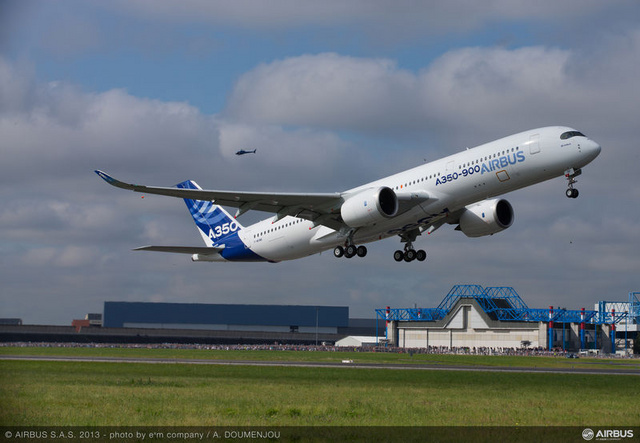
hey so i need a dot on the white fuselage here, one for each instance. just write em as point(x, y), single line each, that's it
point(452, 183)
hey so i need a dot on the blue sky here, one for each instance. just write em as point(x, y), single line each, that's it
point(197, 62)
point(333, 94)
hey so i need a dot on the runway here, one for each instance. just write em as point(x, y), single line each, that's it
point(345, 365)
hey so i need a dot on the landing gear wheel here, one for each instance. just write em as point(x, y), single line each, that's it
point(361, 251)
point(350, 251)
point(572, 193)
point(338, 251)
point(410, 255)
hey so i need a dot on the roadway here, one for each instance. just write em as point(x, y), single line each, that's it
point(632, 370)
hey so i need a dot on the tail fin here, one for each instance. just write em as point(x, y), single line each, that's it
point(213, 222)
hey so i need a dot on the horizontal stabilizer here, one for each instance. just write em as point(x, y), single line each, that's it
point(182, 249)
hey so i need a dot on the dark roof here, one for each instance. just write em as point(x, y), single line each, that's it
point(116, 314)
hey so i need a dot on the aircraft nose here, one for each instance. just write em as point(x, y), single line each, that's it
point(593, 149)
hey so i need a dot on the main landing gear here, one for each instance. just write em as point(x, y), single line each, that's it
point(350, 251)
point(409, 254)
point(571, 175)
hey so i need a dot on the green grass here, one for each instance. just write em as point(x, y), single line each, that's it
point(96, 394)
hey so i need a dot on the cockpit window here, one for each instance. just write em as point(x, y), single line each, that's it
point(570, 134)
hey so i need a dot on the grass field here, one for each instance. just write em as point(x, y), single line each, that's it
point(96, 394)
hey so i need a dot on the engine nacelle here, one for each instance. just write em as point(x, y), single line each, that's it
point(370, 206)
point(486, 218)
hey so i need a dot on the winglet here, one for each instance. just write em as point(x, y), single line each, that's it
point(113, 182)
point(106, 177)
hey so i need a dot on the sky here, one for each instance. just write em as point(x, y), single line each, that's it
point(333, 94)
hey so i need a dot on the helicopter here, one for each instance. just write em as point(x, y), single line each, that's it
point(243, 152)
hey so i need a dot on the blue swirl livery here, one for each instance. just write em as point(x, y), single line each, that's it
point(218, 230)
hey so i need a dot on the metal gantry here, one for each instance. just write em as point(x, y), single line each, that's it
point(634, 307)
point(504, 304)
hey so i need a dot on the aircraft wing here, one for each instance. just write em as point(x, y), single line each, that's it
point(324, 209)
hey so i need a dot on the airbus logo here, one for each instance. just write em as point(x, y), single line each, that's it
point(614, 433)
point(502, 162)
point(488, 166)
point(607, 434)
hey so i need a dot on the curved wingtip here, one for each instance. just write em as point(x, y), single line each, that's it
point(106, 177)
point(114, 182)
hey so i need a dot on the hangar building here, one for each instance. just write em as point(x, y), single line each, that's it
point(471, 316)
point(226, 317)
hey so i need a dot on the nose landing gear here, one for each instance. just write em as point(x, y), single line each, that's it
point(571, 175)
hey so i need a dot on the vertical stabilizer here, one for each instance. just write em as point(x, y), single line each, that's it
point(213, 222)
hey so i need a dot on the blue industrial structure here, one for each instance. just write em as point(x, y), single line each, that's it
point(504, 304)
point(500, 303)
point(634, 307)
point(224, 316)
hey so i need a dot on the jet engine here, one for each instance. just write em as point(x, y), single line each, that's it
point(370, 206)
point(486, 218)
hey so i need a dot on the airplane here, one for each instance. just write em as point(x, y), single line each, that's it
point(243, 152)
point(461, 189)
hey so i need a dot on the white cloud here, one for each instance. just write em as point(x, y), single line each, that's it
point(281, 150)
point(57, 129)
point(326, 90)
point(280, 145)
point(464, 96)
point(470, 87)
point(16, 87)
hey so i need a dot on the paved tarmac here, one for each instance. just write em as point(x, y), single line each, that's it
point(354, 365)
